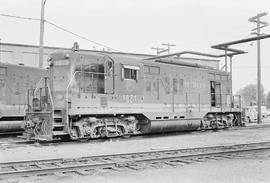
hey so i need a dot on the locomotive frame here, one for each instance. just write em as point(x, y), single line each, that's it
point(107, 94)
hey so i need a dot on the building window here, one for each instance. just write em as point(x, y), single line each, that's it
point(3, 71)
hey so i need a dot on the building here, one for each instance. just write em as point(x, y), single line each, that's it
point(28, 55)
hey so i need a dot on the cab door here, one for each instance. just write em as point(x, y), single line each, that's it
point(215, 92)
point(109, 75)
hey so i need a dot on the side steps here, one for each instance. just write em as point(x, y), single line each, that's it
point(58, 125)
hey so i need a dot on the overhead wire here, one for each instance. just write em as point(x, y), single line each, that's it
point(19, 17)
point(82, 37)
point(61, 28)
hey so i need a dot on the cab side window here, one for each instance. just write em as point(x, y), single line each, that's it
point(130, 72)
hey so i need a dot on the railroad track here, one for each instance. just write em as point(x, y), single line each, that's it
point(21, 141)
point(131, 161)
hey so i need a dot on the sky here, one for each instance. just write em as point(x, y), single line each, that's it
point(137, 25)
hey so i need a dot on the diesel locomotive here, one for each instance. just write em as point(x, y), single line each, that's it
point(95, 95)
point(15, 80)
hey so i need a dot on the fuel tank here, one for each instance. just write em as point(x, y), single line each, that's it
point(10, 126)
point(160, 126)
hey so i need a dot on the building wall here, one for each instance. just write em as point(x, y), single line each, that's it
point(29, 55)
point(24, 54)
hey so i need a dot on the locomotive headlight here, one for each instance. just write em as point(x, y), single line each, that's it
point(50, 61)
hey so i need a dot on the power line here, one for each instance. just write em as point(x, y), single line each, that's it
point(19, 17)
point(59, 27)
point(82, 37)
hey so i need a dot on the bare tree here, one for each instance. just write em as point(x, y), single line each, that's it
point(248, 95)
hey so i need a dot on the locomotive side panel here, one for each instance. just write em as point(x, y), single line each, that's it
point(15, 80)
point(134, 87)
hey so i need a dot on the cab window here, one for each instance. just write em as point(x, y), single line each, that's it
point(130, 72)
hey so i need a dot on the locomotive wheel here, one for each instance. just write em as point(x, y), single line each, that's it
point(119, 131)
point(213, 125)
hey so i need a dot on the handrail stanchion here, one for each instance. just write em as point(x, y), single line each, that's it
point(52, 104)
point(186, 102)
point(67, 97)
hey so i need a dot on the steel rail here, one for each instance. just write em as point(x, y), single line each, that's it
point(126, 159)
point(135, 153)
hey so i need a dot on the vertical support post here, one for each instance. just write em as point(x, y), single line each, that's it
point(259, 120)
point(260, 24)
point(41, 34)
point(231, 93)
point(226, 61)
point(0, 49)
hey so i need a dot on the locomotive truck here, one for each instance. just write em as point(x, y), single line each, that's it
point(95, 95)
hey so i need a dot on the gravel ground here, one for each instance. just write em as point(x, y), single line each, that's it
point(12, 152)
point(236, 171)
point(239, 170)
point(247, 170)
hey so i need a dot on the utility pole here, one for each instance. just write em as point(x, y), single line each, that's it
point(260, 24)
point(0, 49)
point(41, 52)
point(169, 46)
point(159, 50)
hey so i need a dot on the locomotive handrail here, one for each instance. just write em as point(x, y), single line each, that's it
point(52, 103)
point(37, 85)
point(67, 90)
point(222, 103)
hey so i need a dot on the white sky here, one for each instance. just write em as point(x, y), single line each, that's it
point(138, 25)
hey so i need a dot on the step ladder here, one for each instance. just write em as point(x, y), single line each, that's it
point(58, 125)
